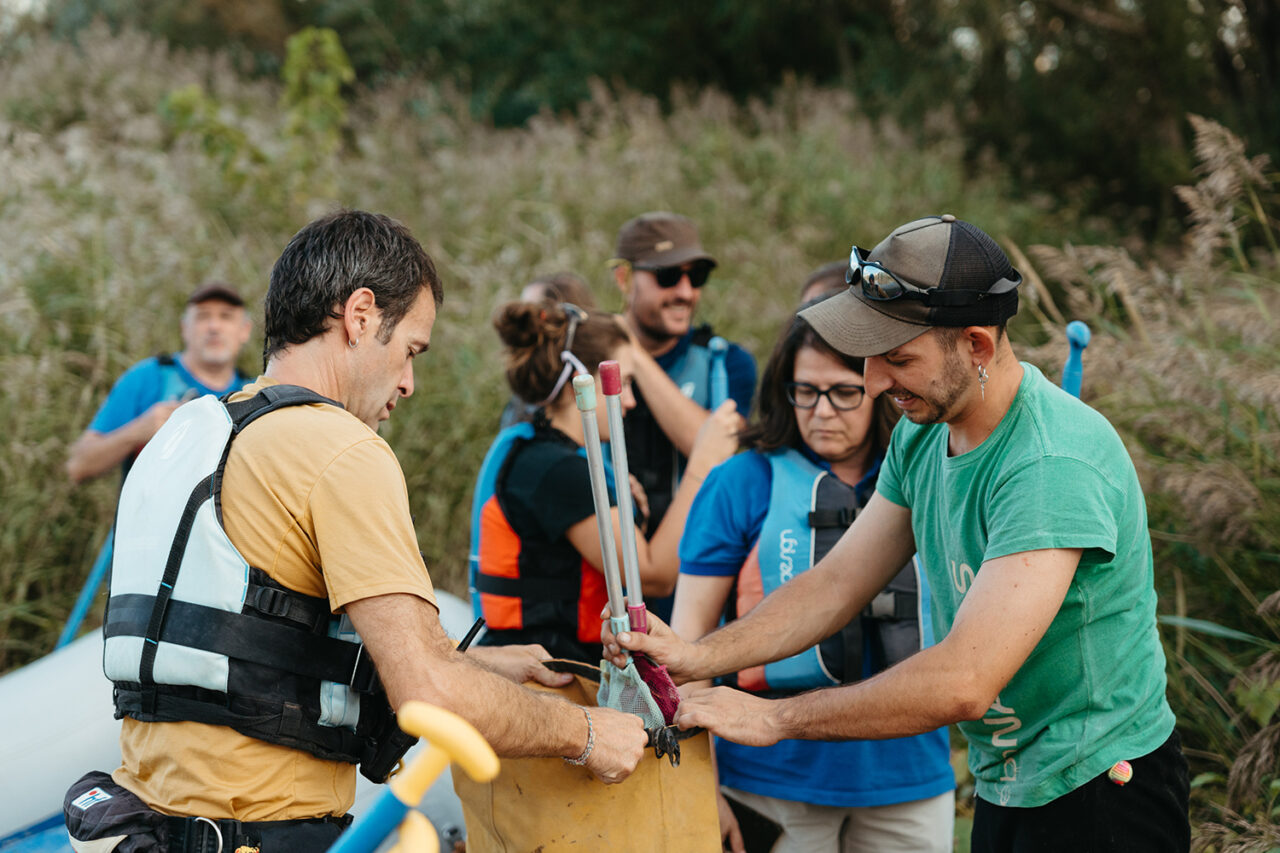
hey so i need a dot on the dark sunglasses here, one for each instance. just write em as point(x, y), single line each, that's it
point(843, 398)
point(698, 272)
point(880, 285)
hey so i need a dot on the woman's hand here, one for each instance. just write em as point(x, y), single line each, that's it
point(730, 833)
point(519, 664)
point(717, 440)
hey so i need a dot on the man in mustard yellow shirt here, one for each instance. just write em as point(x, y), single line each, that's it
point(247, 704)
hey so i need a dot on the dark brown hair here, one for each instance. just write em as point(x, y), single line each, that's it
point(535, 334)
point(330, 259)
point(566, 287)
point(830, 277)
point(774, 425)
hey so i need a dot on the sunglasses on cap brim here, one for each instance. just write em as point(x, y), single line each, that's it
point(880, 285)
point(698, 272)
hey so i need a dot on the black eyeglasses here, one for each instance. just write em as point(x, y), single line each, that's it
point(698, 272)
point(881, 285)
point(843, 398)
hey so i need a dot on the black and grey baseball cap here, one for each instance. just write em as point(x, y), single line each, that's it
point(963, 278)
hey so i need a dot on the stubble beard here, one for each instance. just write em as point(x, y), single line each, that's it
point(656, 331)
point(940, 404)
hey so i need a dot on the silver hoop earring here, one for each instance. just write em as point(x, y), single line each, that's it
point(353, 344)
point(982, 381)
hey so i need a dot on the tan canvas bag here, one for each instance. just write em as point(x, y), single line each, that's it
point(544, 804)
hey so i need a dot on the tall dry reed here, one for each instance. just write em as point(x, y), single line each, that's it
point(132, 172)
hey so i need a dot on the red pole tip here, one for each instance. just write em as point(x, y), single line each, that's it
point(610, 378)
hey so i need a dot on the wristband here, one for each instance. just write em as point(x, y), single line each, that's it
point(591, 743)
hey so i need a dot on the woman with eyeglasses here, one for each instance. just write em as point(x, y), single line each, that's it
point(763, 517)
point(536, 563)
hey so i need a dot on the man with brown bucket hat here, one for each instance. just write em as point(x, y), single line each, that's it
point(660, 267)
point(1027, 515)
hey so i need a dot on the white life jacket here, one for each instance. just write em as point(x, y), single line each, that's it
point(193, 632)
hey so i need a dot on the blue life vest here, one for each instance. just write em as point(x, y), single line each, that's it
point(699, 369)
point(193, 632)
point(486, 484)
point(809, 510)
point(480, 583)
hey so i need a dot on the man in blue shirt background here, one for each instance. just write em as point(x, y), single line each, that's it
point(660, 268)
point(215, 327)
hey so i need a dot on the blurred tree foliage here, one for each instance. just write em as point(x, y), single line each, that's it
point(1084, 99)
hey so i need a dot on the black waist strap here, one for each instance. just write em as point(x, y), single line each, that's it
point(530, 589)
point(197, 835)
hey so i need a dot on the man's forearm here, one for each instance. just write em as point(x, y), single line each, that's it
point(678, 417)
point(803, 612)
point(516, 722)
point(416, 660)
point(915, 696)
point(95, 453)
point(814, 605)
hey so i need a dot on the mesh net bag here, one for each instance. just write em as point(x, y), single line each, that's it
point(624, 690)
point(661, 686)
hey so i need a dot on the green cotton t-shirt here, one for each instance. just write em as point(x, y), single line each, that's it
point(1053, 474)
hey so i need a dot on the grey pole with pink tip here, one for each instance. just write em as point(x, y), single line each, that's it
point(584, 391)
point(654, 675)
point(611, 383)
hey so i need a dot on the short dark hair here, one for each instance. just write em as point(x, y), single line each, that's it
point(775, 423)
point(829, 276)
point(330, 259)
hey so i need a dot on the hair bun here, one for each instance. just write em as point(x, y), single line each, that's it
point(525, 325)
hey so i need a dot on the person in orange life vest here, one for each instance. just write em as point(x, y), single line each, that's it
point(537, 548)
point(813, 457)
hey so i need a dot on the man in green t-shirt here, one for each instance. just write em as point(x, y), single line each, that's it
point(1027, 514)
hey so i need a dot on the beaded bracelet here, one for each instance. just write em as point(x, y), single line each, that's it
point(591, 743)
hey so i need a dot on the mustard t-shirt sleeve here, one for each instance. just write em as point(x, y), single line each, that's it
point(359, 509)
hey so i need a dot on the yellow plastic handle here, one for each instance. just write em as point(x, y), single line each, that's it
point(417, 835)
point(450, 738)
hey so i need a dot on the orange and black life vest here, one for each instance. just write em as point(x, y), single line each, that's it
point(520, 584)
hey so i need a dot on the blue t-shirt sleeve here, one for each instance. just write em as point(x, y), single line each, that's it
point(727, 514)
point(133, 394)
point(741, 368)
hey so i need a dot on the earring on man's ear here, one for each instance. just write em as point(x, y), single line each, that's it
point(982, 381)
point(353, 344)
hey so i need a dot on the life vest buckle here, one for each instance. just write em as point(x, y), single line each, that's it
point(271, 601)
